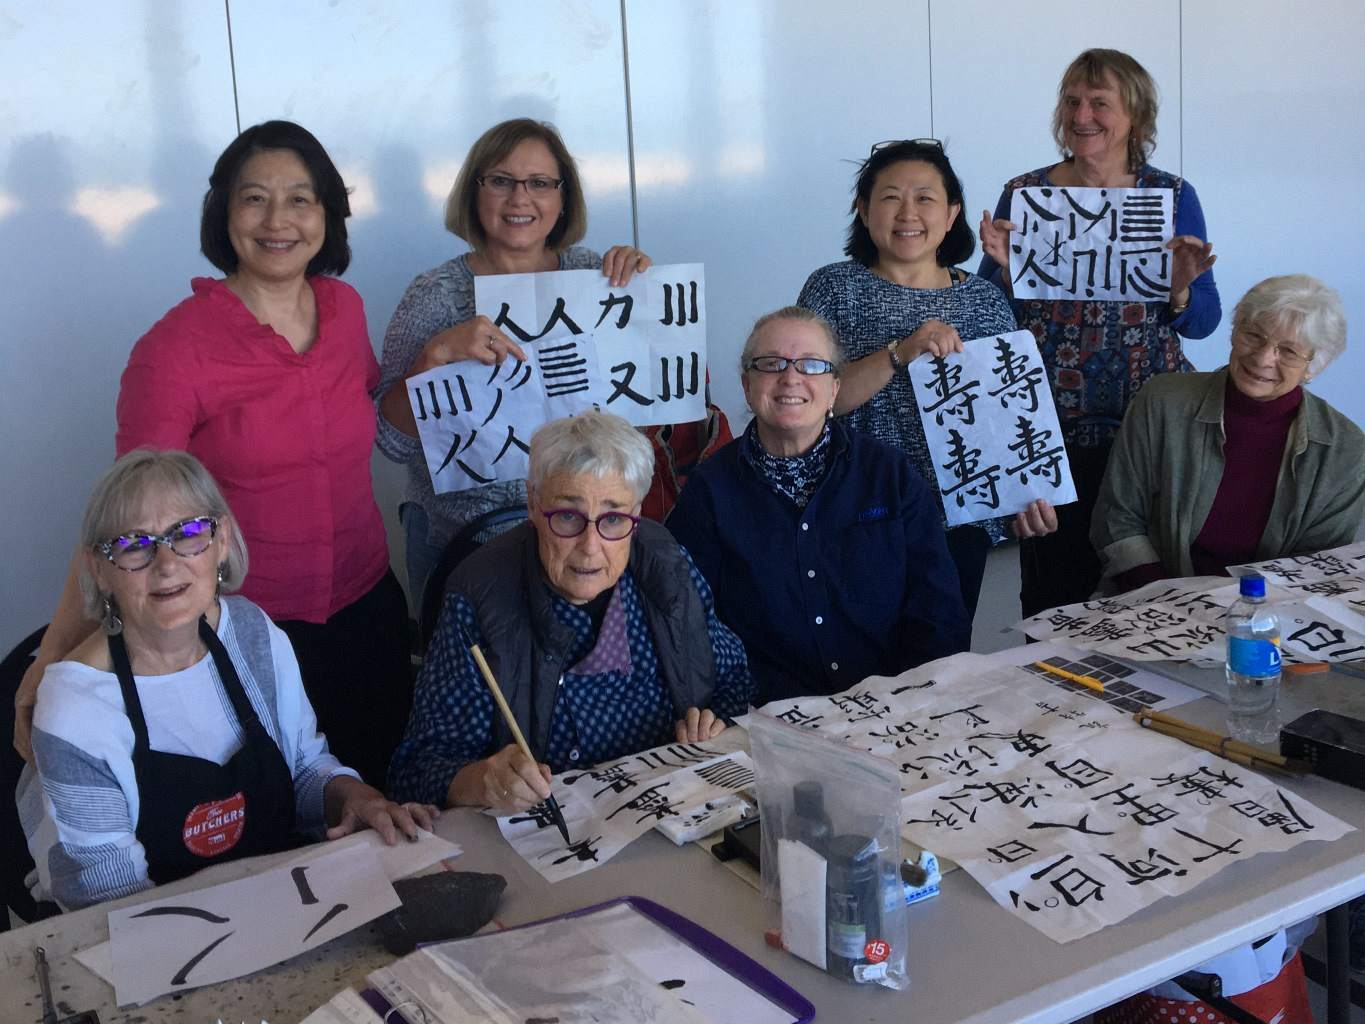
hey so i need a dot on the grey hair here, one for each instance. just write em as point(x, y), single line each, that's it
point(1302, 304)
point(120, 493)
point(595, 443)
point(800, 313)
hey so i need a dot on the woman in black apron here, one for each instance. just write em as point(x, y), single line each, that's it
point(179, 736)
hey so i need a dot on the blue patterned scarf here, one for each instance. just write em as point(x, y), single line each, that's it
point(794, 478)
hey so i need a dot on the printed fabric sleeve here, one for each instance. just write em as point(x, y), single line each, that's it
point(424, 310)
point(451, 724)
point(1119, 530)
point(78, 824)
point(819, 295)
point(934, 622)
point(1206, 310)
point(157, 405)
point(311, 763)
point(734, 686)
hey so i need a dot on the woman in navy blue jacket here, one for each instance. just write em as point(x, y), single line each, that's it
point(823, 547)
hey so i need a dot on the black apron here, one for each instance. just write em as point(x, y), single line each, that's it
point(193, 812)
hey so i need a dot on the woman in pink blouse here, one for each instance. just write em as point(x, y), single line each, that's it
point(266, 376)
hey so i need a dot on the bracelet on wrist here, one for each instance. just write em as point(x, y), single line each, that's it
point(892, 351)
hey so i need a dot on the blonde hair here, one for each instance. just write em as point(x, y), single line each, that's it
point(136, 477)
point(1136, 90)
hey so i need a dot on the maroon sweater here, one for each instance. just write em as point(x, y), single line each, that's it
point(1255, 434)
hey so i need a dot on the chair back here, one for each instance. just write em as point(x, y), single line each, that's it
point(15, 862)
point(474, 533)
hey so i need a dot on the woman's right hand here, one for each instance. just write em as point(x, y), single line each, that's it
point(934, 337)
point(475, 338)
point(995, 239)
point(510, 781)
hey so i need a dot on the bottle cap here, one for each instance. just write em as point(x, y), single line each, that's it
point(1253, 585)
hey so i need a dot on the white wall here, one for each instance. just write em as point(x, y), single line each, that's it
point(745, 116)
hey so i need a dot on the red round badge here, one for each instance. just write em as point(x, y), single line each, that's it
point(876, 951)
point(213, 828)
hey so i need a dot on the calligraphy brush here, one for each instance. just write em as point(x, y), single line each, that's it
point(551, 804)
point(1234, 750)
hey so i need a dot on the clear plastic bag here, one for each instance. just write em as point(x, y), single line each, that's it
point(831, 853)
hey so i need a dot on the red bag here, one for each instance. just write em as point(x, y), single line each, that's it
point(1282, 1000)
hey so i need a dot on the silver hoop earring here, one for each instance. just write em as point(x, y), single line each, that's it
point(111, 624)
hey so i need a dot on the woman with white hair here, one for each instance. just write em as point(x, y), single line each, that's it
point(180, 734)
point(1215, 469)
point(598, 628)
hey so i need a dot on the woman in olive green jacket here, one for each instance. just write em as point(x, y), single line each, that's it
point(1215, 469)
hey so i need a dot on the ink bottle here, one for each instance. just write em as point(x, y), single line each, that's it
point(853, 904)
point(810, 823)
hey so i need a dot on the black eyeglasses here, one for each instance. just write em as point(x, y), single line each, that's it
point(136, 549)
point(937, 144)
point(569, 522)
point(505, 184)
point(777, 364)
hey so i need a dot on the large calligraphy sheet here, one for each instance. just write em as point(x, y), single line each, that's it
point(608, 806)
point(637, 351)
point(1066, 811)
point(1319, 598)
point(992, 428)
point(1091, 243)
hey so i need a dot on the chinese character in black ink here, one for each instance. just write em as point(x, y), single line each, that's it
point(627, 303)
point(540, 814)
point(1030, 743)
point(1141, 870)
point(954, 397)
point(1012, 851)
point(972, 482)
point(973, 718)
point(1206, 782)
point(942, 819)
point(795, 716)
point(675, 755)
point(1082, 826)
point(1074, 885)
point(584, 850)
point(1317, 636)
point(693, 381)
point(1230, 849)
point(684, 317)
point(617, 777)
point(860, 707)
point(728, 774)
point(952, 763)
point(652, 802)
point(563, 368)
point(307, 899)
point(621, 388)
point(1157, 646)
point(1142, 814)
point(1080, 772)
point(1036, 454)
point(1017, 378)
point(1107, 629)
point(904, 734)
point(557, 315)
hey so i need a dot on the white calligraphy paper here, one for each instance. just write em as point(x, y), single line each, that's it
point(637, 351)
point(608, 806)
point(1319, 599)
point(198, 938)
point(1091, 243)
point(1067, 812)
point(992, 428)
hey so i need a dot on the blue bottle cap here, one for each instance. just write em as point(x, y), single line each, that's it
point(1253, 585)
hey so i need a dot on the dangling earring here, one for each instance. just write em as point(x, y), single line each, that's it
point(222, 572)
point(111, 623)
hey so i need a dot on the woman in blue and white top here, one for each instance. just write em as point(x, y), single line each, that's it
point(178, 735)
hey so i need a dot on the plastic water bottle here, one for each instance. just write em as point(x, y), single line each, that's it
point(1253, 665)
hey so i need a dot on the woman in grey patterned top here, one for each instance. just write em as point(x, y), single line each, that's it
point(519, 204)
point(900, 296)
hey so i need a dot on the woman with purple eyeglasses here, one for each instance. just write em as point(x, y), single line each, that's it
point(600, 631)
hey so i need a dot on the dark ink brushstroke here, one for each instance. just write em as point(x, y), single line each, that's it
point(203, 915)
point(338, 909)
point(182, 974)
point(301, 883)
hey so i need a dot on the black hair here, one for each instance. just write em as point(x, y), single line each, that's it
point(335, 255)
point(957, 245)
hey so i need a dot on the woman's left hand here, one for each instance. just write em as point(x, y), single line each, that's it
point(621, 262)
point(699, 725)
point(1037, 520)
point(363, 806)
point(1190, 257)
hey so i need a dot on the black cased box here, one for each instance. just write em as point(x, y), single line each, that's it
point(1333, 744)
